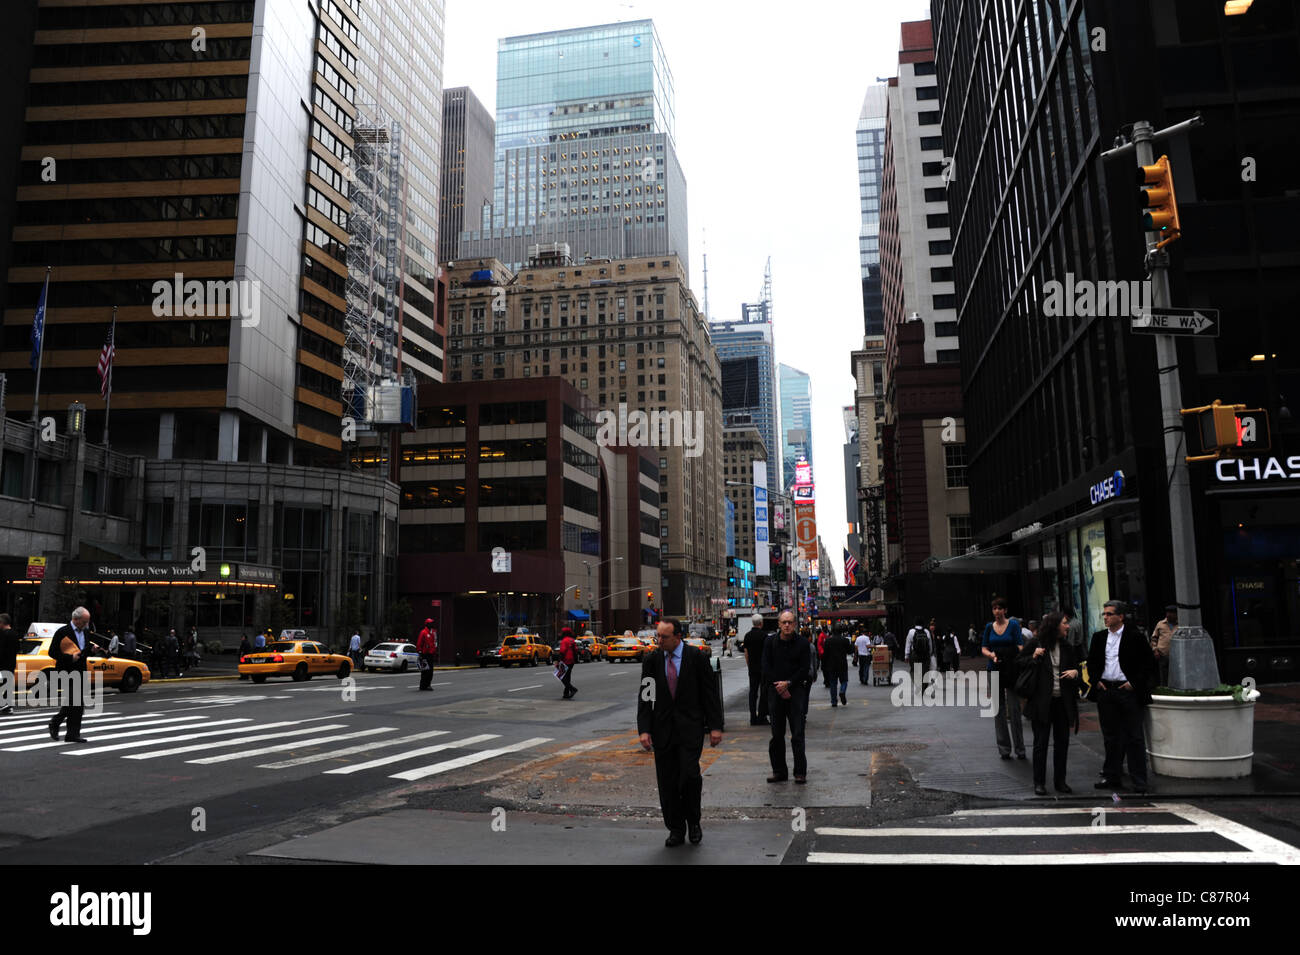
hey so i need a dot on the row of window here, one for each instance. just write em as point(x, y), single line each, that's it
point(151, 90)
point(121, 15)
point(128, 209)
point(135, 129)
point(203, 248)
point(219, 49)
point(138, 169)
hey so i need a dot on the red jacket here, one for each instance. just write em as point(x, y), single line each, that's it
point(568, 650)
point(428, 641)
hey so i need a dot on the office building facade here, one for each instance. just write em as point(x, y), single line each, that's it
point(796, 420)
point(748, 347)
point(468, 145)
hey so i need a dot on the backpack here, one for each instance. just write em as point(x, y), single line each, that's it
point(920, 644)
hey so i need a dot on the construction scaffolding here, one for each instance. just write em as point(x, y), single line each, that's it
point(371, 329)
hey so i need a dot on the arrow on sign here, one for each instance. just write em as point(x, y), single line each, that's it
point(1178, 321)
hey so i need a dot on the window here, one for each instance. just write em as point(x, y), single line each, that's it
point(954, 465)
point(930, 118)
point(938, 220)
point(941, 247)
point(945, 301)
point(937, 194)
point(932, 168)
point(958, 533)
point(943, 329)
point(941, 274)
point(923, 69)
point(948, 356)
point(932, 142)
point(927, 92)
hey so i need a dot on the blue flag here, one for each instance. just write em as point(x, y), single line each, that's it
point(38, 325)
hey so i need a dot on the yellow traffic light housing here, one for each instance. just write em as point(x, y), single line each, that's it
point(649, 595)
point(1217, 425)
point(577, 593)
point(1158, 201)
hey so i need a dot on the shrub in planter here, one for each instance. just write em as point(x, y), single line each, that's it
point(213, 647)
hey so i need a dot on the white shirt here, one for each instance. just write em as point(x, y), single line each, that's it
point(80, 634)
point(1112, 673)
point(863, 643)
point(355, 644)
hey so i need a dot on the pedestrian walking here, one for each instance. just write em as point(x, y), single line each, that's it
point(568, 659)
point(172, 654)
point(245, 648)
point(427, 646)
point(948, 653)
point(786, 678)
point(919, 646)
point(835, 664)
point(1001, 643)
point(863, 645)
point(814, 664)
point(69, 647)
point(129, 643)
point(1121, 667)
point(114, 644)
point(753, 647)
point(9, 641)
point(972, 642)
point(677, 703)
point(1053, 703)
point(354, 649)
point(259, 641)
point(1161, 638)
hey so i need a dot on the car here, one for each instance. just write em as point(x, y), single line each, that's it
point(486, 655)
point(524, 648)
point(391, 656)
point(585, 654)
point(300, 659)
point(595, 646)
point(122, 672)
point(699, 643)
point(618, 649)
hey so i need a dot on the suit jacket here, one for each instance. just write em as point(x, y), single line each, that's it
point(1135, 659)
point(1038, 707)
point(64, 661)
point(682, 720)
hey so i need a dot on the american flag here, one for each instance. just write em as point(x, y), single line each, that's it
point(850, 568)
point(105, 367)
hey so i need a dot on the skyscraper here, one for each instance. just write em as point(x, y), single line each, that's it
point(468, 143)
point(796, 421)
point(871, 156)
point(751, 338)
point(585, 151)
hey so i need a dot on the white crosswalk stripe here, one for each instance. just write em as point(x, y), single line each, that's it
point(351, 750)
point(115, 732)
point(425, 751)
point(1128, 835)
point(240, 741)
point(136, 744)
point(29, 724)
point(423, 771)
point(296, 744)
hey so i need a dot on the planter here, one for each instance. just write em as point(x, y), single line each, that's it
point(1200, 737)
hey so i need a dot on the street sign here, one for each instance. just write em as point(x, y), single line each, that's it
point(1178, 321)
point(35, 568)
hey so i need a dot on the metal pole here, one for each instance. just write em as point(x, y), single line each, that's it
point(1187, 585)
point(36, 397)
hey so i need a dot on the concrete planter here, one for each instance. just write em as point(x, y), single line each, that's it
point(1200, 737)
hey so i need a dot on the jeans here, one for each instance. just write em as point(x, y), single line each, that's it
point(567, 680)
point(844, 687)
point(1120, 715)
point(864, 669)
point(794, 710)
point(1008, 712)
point(1057, 727)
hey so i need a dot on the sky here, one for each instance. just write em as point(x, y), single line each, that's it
point(767, 100)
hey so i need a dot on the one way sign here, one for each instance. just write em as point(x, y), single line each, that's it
point(1178, 321)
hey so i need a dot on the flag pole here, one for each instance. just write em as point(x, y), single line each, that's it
point(112, 360)
point(36, 398)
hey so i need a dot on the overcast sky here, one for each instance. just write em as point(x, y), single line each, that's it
point(767, 96)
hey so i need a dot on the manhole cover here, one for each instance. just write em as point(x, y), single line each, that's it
point(889, 748)
point(972, 782)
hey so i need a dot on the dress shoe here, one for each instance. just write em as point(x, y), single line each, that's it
point(1006, 755)
point(76, 739)
point(1040, 790)
point(844, 700)
point(777, 779)
point(696, 833)
point(1020, 756)
point(573, 692)
point(801, 780)
point(834, 704)
point(1063, 788)
point(674, 840)
point(54, 734)
point(1108, 784)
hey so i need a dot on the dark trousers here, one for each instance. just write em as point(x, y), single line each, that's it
point(757, 696)
point(1057, 728)
point(567, 679)
point(426, 674)
point(73, 715)
point(677, 770)
point(795, 711)
point(1120, 715)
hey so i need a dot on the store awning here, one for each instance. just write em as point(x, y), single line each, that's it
point(579, 615)
point(978, 564)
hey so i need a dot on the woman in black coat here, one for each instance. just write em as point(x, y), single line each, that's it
point(1053, 707)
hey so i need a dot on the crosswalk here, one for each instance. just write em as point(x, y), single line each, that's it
point(1164, 833)
point(208, 735)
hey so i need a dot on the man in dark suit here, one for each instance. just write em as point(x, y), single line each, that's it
point(677, 701)
point(1121, 668)
point(9, 640)
point(70, 657)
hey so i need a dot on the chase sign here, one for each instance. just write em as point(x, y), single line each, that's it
point(1108, 489)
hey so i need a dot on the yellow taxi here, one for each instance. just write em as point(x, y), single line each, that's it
point(594, 644)
point(699, 643)
point(618, 649)
point(300, 659)
point(524, 648)
point(33, 656)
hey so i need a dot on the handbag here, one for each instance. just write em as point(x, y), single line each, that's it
point(1027, 681)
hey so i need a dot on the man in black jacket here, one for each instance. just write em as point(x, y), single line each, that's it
point(73, 660)
point(8, 658)
point(786, 676)
point(753, 646)
point(1121, 667)
point(835, 664)
point(676, 702)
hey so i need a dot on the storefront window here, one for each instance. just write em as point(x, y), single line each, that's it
point(1095, 573)
point(1051, 597)
point(1073, 581)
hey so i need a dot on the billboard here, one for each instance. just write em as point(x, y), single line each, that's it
point(805, 527)
point(761, 566)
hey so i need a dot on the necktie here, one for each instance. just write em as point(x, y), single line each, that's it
point(672, 677)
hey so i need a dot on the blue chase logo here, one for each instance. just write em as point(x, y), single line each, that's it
point(1105, 490)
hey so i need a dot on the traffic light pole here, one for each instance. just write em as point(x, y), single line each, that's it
point(1187, 584)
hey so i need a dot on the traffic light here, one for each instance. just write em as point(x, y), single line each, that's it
point(1217, 425)
point(577, 593)
point(1158, 202)
point(649, 595)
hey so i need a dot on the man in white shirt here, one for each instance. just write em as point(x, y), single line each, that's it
point(1123, 663)
point(354, 649)
point(863, 646)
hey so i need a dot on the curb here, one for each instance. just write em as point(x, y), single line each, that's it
point(192, 679)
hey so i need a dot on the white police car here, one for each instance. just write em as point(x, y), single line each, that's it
point(392, 656)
